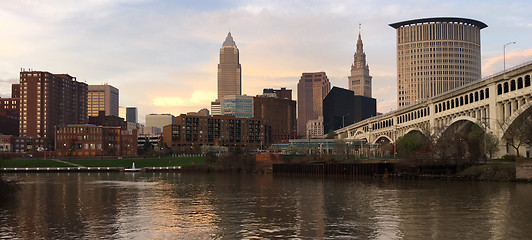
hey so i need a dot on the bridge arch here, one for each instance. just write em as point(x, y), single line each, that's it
point(461, 140)
point(524, 109)
point(460, 118)
point(382, 138)
point(414, 129)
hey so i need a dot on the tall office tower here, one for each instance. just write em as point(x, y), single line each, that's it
point(312, 88)
point(159, 120)
point(229, 69)
point(48, 100)
point(360, 80)
point(132, 115)
point(102, 98)
point(436, 55)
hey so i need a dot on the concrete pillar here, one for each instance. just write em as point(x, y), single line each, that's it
point(500, 112)
point(507, 110)
point(515, 105)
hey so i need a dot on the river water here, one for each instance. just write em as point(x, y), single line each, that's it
point(242, 206)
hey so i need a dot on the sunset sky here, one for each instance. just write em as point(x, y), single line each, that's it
point(163, 55)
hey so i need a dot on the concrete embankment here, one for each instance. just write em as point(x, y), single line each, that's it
point(64, 169)
point(504, 171)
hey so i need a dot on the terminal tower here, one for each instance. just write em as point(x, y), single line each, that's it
point(360, 80)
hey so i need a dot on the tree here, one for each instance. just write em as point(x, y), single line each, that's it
point(408, 144)
point(491, 143)
point(330, 134)
point(519, 133)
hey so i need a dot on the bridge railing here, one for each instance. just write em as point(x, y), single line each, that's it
point(484, 78)
point(439, 95)
point(507, 70)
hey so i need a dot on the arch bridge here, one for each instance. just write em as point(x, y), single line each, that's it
point(494, 103)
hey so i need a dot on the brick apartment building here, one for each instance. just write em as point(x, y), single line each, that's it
point(84, 140)
point(189, 133)
point(9, 112)
point(48, 100)
point(278, 113)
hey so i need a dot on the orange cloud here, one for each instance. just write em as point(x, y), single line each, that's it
point(494, 64)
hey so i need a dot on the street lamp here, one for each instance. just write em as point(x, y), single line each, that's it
point(343, 120)
point(504, 55)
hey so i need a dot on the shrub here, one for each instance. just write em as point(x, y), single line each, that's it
point(509, 158)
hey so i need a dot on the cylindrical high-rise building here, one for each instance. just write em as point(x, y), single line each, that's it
point(435, 55)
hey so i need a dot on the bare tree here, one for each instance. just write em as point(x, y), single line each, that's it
point(519, 133)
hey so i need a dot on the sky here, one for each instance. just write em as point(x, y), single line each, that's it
point(163, 55)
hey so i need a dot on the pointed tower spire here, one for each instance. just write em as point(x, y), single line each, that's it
point(359, 25)
point(229, 42)
point(360, 80)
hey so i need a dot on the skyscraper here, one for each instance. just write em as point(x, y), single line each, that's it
point(132, 115)
point(312, 88)
point(436, 55)
point(341, 107)
point(48, 100)
point(229, 69)
point(102, 98)
point(360, 80)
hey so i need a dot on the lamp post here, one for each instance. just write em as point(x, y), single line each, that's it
point(343, 120)
point(504, 55)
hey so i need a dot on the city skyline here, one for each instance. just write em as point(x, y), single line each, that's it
point(164, 62)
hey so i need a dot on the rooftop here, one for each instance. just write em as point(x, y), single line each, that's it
point(473, 22)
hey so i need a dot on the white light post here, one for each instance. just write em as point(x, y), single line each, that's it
point(504, 55)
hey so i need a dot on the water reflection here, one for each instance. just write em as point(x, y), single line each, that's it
point(200, 206)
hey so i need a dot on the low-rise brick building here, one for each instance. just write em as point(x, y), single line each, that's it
point(189, 133)
point(85, 140)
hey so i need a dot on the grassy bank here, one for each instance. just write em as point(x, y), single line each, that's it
point(124, 163)
point(31, 163)
point(494, 171)
point(139, 162)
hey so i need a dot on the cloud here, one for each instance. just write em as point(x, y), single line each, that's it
point(169, 102)
point(196, 98)
point(163, 55)
point(494, 64)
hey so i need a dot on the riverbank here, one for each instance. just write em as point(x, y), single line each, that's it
point(496, 170)
point(493, 171)
point(101, 162)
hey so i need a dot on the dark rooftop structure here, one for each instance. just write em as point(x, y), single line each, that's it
point(473, 22)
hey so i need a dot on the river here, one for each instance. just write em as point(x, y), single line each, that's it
point(245, 206)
